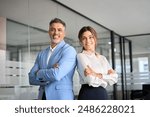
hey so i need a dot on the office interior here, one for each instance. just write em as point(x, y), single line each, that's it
point(24, 32)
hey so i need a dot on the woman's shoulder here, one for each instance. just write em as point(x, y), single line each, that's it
point(100, 56)
point(79, 55)
point(103, 58)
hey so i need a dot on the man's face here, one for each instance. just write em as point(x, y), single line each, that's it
point(56, 32)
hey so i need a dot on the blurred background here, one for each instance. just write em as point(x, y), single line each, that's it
point(123, 37)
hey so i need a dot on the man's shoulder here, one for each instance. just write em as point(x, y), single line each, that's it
point(69, 50)
point(69, 47)
point(44, 50)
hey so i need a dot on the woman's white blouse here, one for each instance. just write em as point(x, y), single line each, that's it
point(99, 64)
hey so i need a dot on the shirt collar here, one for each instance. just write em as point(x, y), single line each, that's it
point(52, 49)
point(85, 52)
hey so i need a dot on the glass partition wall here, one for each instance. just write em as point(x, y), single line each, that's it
point(27, 34)
point(140, 75)
point(123, 62)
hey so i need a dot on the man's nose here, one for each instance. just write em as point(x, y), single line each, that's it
point(56, 32)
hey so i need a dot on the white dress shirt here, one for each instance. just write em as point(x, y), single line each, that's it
point(49, 53)
point(99, 64)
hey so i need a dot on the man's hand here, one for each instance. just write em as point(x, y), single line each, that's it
point(55, 65)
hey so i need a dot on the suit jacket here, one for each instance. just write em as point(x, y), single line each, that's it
point(57, 82)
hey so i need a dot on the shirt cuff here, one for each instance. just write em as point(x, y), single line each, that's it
point(111, 80)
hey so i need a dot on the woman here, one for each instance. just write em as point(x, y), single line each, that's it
point(94, 70)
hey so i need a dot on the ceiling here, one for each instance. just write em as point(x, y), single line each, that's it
point(124, 17)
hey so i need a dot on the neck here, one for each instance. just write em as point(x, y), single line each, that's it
point(89, 51)
point(53, 45)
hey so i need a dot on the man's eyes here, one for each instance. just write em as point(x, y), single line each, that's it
point(60, 30)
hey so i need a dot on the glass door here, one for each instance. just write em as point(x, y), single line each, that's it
point(122, 61)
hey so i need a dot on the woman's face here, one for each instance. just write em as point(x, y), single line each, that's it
point(88, 41)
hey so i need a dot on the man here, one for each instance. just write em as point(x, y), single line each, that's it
point(54, 67)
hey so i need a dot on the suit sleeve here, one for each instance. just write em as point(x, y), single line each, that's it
point(66, 64)
point(32, 74)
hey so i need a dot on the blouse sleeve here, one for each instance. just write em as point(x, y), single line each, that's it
point(90, 80)
point(81, 65)
point(110, 78)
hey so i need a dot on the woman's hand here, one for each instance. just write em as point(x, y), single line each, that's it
point(111, 71)
point(89, 71)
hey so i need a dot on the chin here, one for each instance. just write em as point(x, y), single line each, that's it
point(56, 41)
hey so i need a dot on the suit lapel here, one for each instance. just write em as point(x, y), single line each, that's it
point(55, 53)
point(45, 56)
